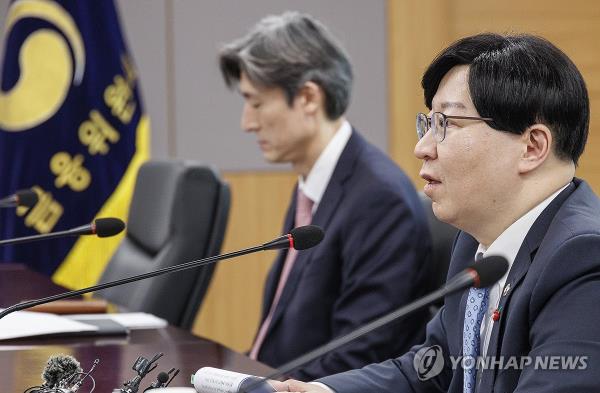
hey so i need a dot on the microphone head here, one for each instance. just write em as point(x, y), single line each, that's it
point(106, 227)
point(27, 198)
point(58, 368)
point(489, 270)
point(162, 377)
point(307, 236)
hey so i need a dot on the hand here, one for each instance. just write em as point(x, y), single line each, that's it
point(291, 385)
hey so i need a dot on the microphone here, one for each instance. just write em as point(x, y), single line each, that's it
point(58, 369)
point(174, 372)
point(26, 198)
point(101, 227)
point(63, 374)
point(299, 238)
point(481, 274)
point(142, 366)
point(78, 378)
point(161, 380)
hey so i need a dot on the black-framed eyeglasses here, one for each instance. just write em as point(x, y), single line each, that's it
point(438, 122)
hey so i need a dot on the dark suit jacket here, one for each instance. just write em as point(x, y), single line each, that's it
point(373, 259)
point(551, 310)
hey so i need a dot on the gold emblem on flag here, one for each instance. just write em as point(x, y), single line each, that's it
point(46, 70)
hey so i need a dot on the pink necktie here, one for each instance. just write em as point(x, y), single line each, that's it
point(303, 217)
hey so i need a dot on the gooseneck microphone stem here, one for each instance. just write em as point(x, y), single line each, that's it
point(366, 329)
point(170, 269)
point(27, 239)
point(479, 275)
point(7, 203)
point(299, 238)
point(101, 227)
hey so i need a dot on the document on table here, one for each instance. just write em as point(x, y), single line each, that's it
point(131, 320)
point(28, 324)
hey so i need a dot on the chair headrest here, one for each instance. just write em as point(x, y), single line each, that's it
point(166, 192)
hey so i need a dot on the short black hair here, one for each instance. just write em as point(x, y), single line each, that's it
point(287, 51)
point(520, 80)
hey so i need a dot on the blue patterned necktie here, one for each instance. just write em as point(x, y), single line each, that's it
point(477, 304)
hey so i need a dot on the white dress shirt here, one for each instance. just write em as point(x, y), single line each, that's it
point(318, 178)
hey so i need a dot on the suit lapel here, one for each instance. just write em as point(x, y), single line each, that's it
point(327, 206)
point(516, 275)
point(275, 273)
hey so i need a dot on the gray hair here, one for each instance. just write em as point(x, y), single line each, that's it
point(287, 51)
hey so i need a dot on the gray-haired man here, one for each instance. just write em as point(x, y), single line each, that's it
point(296, 82)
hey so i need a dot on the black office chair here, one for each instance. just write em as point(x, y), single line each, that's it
point(178, 213)
point(442, 238)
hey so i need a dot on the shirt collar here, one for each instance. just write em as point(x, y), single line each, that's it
point(509, 242)
point(318, 178)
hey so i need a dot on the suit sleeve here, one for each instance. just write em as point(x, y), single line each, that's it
point(565, 320)
point(429, 373)
point(384, 251)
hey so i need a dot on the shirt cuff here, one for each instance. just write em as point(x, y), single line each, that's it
point(323, 386)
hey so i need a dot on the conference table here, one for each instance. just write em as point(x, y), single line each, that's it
point(23, 360)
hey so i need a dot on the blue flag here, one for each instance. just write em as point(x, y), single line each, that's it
point(72, 128)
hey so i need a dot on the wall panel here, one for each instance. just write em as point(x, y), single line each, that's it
point(419, 29)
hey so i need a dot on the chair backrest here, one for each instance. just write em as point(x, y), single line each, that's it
point(442, 238)
point(178, 213)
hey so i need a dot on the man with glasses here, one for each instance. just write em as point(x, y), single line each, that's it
point(508, 122)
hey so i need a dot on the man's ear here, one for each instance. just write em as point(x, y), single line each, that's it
point(537, 146)
point(311, 98)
